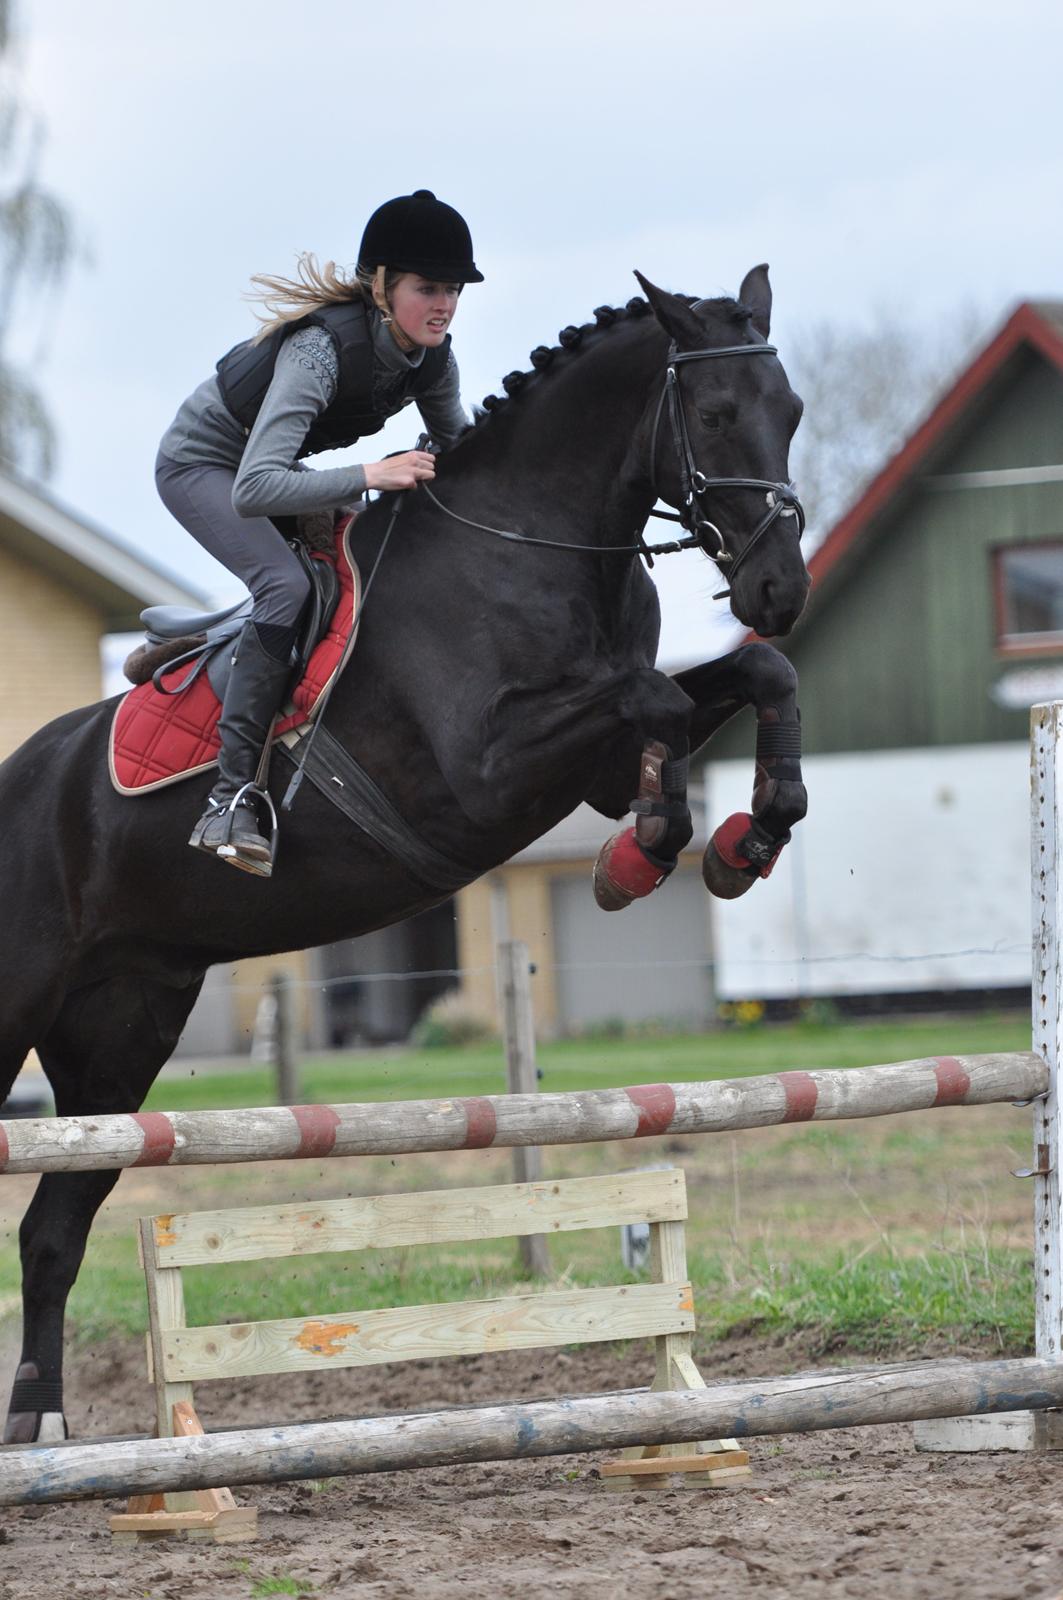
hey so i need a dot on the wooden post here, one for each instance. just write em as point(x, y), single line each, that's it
point(518, 1035)
point(285, 1060)
point(1037, 1430)
point(1046, 769)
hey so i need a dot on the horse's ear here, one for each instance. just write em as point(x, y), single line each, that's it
point(673, 314)
point(756, 294)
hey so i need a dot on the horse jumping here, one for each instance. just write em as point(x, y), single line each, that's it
point(504, 674)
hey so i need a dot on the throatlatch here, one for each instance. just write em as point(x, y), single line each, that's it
point(636, 861)
point(747, 845)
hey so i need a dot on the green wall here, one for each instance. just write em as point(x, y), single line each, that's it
point(899, 648)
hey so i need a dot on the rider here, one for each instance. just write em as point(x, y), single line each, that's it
point(336, 358)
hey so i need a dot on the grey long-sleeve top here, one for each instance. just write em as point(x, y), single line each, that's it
point(270, 480)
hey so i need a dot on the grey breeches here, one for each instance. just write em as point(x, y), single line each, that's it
point(200, 497)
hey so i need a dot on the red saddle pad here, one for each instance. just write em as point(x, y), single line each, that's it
point(158, 738)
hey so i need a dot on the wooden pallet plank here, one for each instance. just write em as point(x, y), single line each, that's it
point(410, 1333)
point(381, 1222)
point(660, 1466)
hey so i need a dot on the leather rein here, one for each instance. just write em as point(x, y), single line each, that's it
point(781, 498)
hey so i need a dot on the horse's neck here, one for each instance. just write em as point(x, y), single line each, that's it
point(563, 452)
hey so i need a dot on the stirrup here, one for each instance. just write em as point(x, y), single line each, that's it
point(246, 798)
point(249, 796)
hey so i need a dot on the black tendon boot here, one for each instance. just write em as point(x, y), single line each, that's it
point(230, 827)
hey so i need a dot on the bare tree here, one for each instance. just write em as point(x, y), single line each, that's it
point(865, 391)
point(36, 247)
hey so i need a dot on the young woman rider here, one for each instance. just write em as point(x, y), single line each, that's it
point(334, 361)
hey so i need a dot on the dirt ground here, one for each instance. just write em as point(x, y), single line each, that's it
point(850, 1513)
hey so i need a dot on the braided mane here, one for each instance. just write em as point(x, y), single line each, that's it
point(570, 339)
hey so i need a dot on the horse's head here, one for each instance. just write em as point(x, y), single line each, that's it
point(719, 446)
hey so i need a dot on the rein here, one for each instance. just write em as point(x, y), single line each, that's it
point(781, 497)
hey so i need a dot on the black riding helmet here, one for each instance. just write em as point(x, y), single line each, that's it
point(418, 233)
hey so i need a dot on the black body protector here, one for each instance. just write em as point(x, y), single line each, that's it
point(245, 374)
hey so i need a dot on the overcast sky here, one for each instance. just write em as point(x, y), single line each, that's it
point(881, 154)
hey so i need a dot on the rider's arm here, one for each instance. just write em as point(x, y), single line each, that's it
point(441, 409)
point(269, 481)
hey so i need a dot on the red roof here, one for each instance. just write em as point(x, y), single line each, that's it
point(1038, 324)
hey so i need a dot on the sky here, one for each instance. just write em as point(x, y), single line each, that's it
point(886, 155)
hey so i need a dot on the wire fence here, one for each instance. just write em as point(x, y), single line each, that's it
point(702, 963)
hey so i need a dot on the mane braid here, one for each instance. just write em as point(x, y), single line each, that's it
point(543, 356)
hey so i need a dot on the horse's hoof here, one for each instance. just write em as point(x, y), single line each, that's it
point(727, 873)
point(623, 872)
point(723, 880)
point(35, 1427)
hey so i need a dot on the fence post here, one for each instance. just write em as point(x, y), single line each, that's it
point(1036, 1430)
point(285, 1062)
point(1046, 770)
point(518, 1036)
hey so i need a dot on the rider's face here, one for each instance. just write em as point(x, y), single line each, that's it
point(424, 310)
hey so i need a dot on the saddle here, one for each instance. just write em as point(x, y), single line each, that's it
point(165, 729)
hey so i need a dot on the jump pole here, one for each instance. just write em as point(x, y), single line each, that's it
point(43, 1474)
point(281, 1133)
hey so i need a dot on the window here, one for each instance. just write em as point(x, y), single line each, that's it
point(1029, 596)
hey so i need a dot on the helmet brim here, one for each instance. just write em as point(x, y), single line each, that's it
point(437, 271)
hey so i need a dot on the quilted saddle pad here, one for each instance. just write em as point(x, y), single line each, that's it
point(158, 739)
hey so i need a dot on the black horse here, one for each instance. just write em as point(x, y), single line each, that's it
point(496, 685)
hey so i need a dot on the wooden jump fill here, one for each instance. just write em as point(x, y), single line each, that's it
point(277, 1133)
point(44, 1474)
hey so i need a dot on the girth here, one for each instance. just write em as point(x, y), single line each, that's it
point(337, 775)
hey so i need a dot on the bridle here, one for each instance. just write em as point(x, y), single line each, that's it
point(781, 497)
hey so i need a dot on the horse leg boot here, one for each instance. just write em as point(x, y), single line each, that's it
point(637, 860)
point(230, 826)
point(747, 845)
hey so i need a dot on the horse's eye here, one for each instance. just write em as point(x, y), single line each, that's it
point(711, 420)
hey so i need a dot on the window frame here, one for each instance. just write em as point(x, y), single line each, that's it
point(1020, 644)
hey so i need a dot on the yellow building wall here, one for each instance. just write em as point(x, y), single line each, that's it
point(52, 647)
point(513, 902)
point(250, 980)
point(52, 638)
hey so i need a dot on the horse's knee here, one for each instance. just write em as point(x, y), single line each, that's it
point(771, 678)
point(655, 707)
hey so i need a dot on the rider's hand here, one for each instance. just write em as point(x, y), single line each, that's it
point(400, 472)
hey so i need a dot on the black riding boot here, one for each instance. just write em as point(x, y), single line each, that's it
point(230, 827)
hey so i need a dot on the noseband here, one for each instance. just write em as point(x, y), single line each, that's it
point(781, 497)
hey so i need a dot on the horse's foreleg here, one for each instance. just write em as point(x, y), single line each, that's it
point(746, 846)
point(646, 775)
point(619, 741)
point(101, 1055)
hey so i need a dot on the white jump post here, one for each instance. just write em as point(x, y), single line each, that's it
point(1036, 1430)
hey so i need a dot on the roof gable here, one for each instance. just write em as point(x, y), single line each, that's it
point(1035, 324)
point(84, 556)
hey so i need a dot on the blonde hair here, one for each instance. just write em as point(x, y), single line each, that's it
point(287, 299)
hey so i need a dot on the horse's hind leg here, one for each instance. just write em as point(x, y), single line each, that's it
point(102, 1053)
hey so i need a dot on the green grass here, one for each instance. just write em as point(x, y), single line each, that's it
point(602, 1063)
point(877, 1305)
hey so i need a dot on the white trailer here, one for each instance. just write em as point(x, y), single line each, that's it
point(910, 873)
